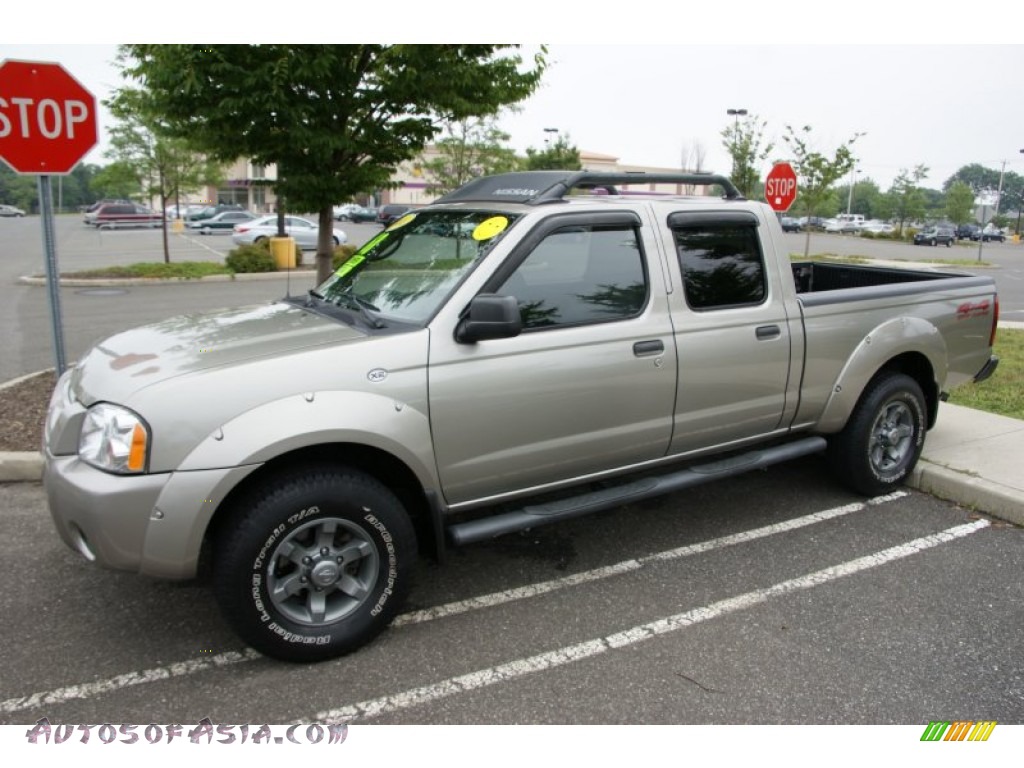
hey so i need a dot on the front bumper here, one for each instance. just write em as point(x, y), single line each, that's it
point(150, 524)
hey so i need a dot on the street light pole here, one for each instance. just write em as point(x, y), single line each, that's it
point(1020, 204)
point(550, 130)
point(849, 200)
point(736, 114)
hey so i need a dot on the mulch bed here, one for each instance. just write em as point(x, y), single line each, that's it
point(23, 411)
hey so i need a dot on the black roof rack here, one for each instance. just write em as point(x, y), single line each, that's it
point(537, 187)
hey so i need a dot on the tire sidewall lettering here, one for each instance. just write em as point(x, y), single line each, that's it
point(260, 599)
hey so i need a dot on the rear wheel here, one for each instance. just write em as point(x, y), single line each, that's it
point(882, 441)
point(949, 243)
point(314, 564)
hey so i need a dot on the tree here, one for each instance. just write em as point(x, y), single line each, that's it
point(336, 120)
point(149, 159)
point(560, 156)
point(691, 160)
point(471, 147)
point(743, 141)
point(118, 179)
point(866, 196)
point(816, 173)
point(959, 203)
point(905, 199)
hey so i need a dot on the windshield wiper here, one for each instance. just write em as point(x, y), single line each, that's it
point(364, 308)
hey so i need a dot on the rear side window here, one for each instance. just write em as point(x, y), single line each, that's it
point(722, 265)
point(578, 275)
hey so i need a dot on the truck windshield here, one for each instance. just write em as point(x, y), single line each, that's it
point(407, 271)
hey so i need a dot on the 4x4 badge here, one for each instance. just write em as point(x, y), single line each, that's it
point(377, 375)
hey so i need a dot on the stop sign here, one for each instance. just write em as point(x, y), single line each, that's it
point(780, 187)
point(47, 119)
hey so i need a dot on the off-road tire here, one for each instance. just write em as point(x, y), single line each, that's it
point(882, 441)
point(314, 564)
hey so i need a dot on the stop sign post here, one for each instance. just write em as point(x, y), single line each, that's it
point(47, 125)
point(780, 187)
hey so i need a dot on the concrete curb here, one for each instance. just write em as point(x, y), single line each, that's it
point(21, 467)
point(968, 490)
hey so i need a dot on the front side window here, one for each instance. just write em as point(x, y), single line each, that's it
point(722, 265)
point(578, 275)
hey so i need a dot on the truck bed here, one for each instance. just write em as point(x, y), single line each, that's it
point(815, 277)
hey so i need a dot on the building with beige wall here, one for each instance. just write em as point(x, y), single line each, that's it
point(250, 185)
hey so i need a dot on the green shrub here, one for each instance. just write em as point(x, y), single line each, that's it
point(251, 258)
point(342, 253)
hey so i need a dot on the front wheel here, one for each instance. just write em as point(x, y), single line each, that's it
point(882, 441)
point(314, 564)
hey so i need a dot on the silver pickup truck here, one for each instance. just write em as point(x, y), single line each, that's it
point(533, 347)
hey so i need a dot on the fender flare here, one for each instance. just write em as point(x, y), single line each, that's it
point(894, 337)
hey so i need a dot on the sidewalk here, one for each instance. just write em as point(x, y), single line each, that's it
point(971, 457)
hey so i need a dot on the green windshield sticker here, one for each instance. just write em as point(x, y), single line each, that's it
point(488, 228)
point(349, 265)
point(372, 243)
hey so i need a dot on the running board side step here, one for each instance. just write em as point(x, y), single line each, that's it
point(645, 488)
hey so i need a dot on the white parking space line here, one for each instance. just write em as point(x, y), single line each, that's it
point(87, 690)
point(366, 710)
point(201, 244)
point(626, 566)
point(190, 667)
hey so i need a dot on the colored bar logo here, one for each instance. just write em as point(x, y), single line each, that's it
point(958, 730)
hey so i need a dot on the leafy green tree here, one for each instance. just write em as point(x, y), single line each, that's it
point(336, 120)
point(959, 203)
point(816, 173)
point(17, 190)
point(866, 196)
point(560, 156)
point(119, 180)
point(905, 200)
point(161, 165)
point(745, 143)
point(471, 147)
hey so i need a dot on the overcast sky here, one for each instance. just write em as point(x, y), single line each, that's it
point(942, 106)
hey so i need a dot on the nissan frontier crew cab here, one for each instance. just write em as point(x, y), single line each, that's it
point(532, 347)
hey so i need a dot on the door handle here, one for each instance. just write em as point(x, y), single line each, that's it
point(646, 348)
point(768, 332)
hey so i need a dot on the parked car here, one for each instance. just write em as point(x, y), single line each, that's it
point(878, 228)
point(361, 214)
point(182, 211)
point(212, 210)
point(992, 233)
point(814, 223)
point(304, 231)
point(341, 212)
point(222, 222)
point(935, 235)
point(968, 232)
point(123, 215)
point(789, 224)
point(832, 225)
point(389, 214)
point(498, 364)
point(10, 210)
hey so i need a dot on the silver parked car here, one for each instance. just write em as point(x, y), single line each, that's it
point(304, 231)
point(10, 210)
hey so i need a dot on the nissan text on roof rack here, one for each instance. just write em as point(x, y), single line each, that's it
point(527, 334)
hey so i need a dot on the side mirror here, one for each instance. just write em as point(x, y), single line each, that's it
point(490, 316)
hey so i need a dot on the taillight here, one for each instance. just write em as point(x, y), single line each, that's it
point(240, 229)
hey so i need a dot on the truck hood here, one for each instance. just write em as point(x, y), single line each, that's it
point(124, 364)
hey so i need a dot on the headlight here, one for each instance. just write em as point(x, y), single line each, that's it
point(114, 439)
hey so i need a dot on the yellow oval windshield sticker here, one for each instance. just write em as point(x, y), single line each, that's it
point(401, 222)
point(488, 228)
point(349, 265)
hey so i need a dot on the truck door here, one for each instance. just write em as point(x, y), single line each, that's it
point(586, 387)
point(732, 332)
